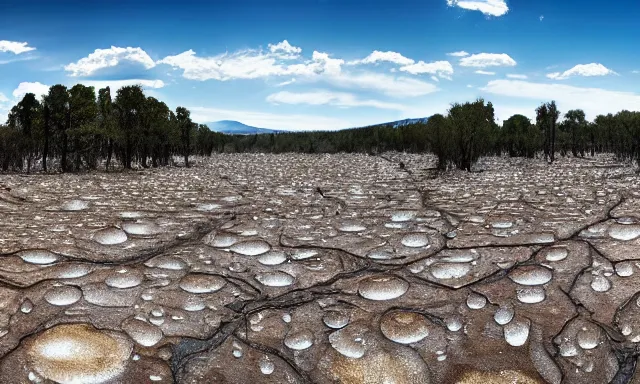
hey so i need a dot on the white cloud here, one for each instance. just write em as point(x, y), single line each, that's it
point(387, 84)
point(458, 54)
point(482, 60)
point(247, 64)
point(587, 70)
point(285, 50)
point(441, 68)
point(276, 121)
point(505, 111)
point(516, 76)
point(15, 47)
point(389, 56)
point(322, 63)
point(434, 78)
point(110, 57)
point(241, 65)
point(635, 71)
point(23, 88)
point(18, 58)
point(254, 64)
point(282, 84)
point(593, 101)
point(36, 88)
point(488, 7)
point(4, 113)
point(541, 17)
point(339, 99)
point(481, 72)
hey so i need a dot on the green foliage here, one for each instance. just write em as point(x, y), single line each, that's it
point(520, 138)
point(471, 127)
point(23, 119)
point(185, 126)
point(82, 124)
point(573, 133)
point(439, 136)
point(547, 116)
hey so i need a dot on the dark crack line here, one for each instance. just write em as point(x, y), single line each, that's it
point(266, 349)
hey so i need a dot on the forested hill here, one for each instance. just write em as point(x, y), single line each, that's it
point(70, 129)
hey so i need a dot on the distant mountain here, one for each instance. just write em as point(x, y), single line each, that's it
point(402, 123)
point(237, 128)
point(232, 127)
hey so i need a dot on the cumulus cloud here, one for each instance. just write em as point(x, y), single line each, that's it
point(441, 68)
point(379, 56)
point(247, 64)
point(256, 64)
point(110, 57)
point(36, 88)
point(587, 70)
point(15, 47)
point(482, 60)
point(458, 54)
point(488, 73)
point(285, 50)
point(516, 76)
point(339, 99)
point(593, 101)
point(487, 7)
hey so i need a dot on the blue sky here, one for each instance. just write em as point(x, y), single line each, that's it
point(327, 64)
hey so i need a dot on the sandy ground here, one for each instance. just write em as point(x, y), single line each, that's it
point(322, 269)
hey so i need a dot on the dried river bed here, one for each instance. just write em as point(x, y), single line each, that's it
point(322, 269)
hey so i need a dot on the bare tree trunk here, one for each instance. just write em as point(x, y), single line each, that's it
point(45, 152)
point(127, 154)
point(574, 145)
point(63, 161)
point(76, 145)
point(45, 149)
point(547, 133)
point(109, 152)
point(64, 141)
point(553, 141)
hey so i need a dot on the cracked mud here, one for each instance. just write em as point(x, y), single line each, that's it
point(322, 269)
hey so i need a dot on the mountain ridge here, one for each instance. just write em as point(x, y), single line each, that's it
point(233, 127)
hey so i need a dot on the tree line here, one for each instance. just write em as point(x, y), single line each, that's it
point(73, 129)
point(469, 131)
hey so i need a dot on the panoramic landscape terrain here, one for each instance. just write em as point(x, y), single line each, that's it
point(319, 192)
point(301, 268)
